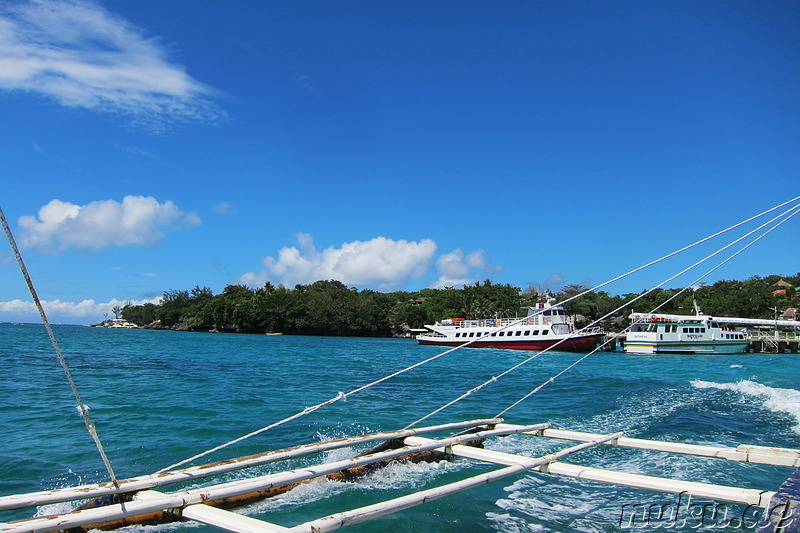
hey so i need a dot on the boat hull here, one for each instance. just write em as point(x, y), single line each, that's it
point(582, 343)
point(683, 347)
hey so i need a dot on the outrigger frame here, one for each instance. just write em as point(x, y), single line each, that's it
point(136, 499)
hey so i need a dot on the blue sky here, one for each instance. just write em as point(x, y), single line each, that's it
point(152, 145)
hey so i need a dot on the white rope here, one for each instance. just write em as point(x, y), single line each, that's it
point(554, 346)
point(339, 396)
point(82, 408)
point(789, 214)
point(343, 396)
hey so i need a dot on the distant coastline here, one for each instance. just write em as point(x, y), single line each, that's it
point(333, 309)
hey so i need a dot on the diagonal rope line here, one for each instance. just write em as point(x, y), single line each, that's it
point(343, 396)
point(82, 407)
point(796, 210)
point(554, 346)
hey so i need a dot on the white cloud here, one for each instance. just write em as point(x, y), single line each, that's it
point(555, 281)
point(73, 312)
point(224, 209)
point(137, 220)
point(380, 262)
point(80, 55)
point(383, 263)
point(456, 269)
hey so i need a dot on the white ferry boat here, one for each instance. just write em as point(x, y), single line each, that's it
point(683, 334)
point(546, 325)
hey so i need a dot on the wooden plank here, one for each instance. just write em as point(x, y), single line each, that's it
point(228, 520)
point(218, 518)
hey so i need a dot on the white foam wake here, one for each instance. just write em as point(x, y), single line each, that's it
point(775, 399)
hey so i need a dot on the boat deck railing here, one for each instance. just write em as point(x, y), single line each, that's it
point(137, 497)
point(504, 322)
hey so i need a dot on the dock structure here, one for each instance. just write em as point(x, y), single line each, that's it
point(768, 336)
point(772, 342)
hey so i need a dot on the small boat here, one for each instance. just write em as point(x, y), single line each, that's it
point(683, 334)
point(119, 323)
point(545, 326)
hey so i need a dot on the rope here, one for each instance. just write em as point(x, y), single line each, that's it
point(339, 396)
point(343, 396)
point(789, 214)
point(472, 391)
point(82, 407)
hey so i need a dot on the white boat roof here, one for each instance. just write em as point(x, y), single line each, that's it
point(720, 319)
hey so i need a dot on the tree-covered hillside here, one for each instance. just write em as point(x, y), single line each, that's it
point(332, 308)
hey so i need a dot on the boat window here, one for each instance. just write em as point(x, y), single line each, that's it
point(502, 333)
point(494, 334)
point(519, 332)
point(544, 332)
point(536, 332)
point(458, 335)
point(527, 332)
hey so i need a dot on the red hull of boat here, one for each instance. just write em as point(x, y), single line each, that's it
point(575, 344)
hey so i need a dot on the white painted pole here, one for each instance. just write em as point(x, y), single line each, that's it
point(377, 510)
point(237, 488)
point(18, 501)
point(743, 453)
point(758, 498)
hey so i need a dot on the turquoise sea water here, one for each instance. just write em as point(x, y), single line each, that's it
point(159, 396)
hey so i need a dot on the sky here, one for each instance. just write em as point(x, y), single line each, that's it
point(150, 146)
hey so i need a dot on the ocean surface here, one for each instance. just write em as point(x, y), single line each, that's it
point(158, 397)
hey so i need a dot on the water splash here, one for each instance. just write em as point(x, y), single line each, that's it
point(775, 399)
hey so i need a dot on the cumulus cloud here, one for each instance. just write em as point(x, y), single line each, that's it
point(380, 262)
point(80, 55)
point(457, 269)
point(73, 312)
point(137, 220)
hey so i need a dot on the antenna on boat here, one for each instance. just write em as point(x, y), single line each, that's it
point(82, 407)
point(697, 310)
